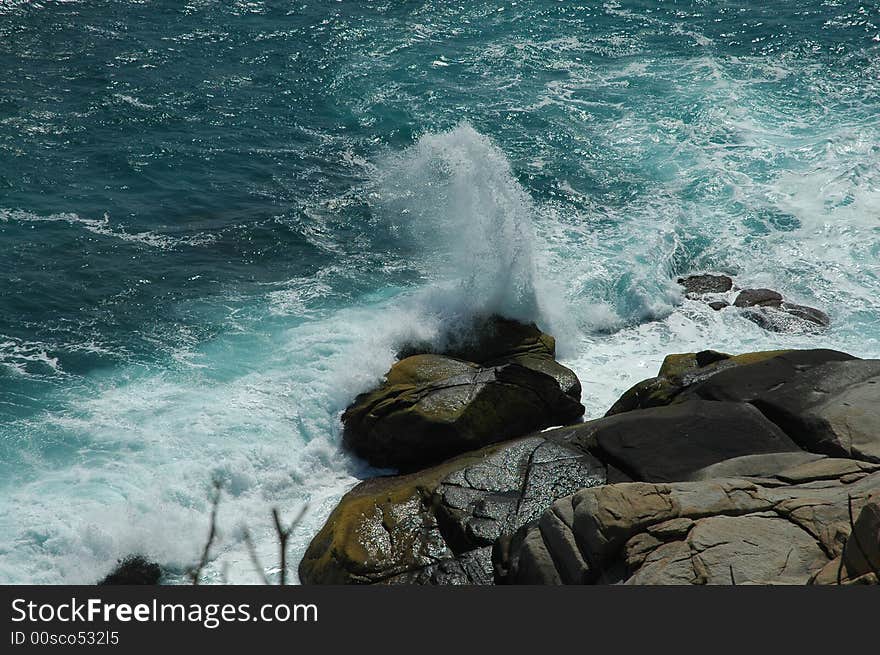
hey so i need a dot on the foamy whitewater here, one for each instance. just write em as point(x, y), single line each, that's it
point(219, 221)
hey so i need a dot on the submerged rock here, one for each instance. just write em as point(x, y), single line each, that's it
point(780, 530)
point(134, 570)
point(433, 406)
point(787, 317)
point(438, 526)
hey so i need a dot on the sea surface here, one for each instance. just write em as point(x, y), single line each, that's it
point(219, 219)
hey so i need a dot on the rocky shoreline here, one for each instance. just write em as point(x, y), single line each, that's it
point(722, 469)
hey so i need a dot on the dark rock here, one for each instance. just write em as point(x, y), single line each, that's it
point(414, 422)
point(134, 570)
point(665, 444)
point(695, 285)
point(758, 297)
point(678, 373)
point(718, 305)
point(438, 526)
point(808, 314)
point(747, 381)
point(788, 318)
point(495, 341)
point(830, 409)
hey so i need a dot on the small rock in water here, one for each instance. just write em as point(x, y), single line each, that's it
point(135, 569)
point(705, 283)
point(718, 305)
point(758, 298)
point(805, 313)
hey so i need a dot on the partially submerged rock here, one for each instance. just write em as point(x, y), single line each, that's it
point(723, 531)
point(438, 526)
point(765, 307)
point(433, 406)
point(758, 298)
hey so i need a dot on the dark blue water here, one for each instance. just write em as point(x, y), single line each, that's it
point(218, 220)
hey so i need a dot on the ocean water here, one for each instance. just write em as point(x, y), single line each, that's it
point(218, 221)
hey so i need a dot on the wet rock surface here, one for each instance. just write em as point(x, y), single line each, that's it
point(432, 407)
point(438, 525)
point(764, 307)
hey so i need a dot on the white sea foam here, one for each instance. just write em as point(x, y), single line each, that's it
point(104, 226)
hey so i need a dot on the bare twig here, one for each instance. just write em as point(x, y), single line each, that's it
point(196, 572)
point(252, 551)
point(284, 535)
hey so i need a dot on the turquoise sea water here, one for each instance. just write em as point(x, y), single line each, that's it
point(219, 219)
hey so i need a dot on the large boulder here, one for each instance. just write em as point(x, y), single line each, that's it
point(824, 400)
point(437, 526)
point(785, 529)
point(832, 409)
point(432, 406)
point(859, 563)
point(666, 444)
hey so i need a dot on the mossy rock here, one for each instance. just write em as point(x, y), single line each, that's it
point(493, 381)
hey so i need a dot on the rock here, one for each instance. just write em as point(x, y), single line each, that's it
point(412, 424)
point(671, 443)
point(680, 372)
point(824, 400)
point(758, 298)
point(496, 380)
point(438, 526)
point(830, 409)
point(787, 317)
point(696, 285)
point(860, 561)
point(133, 570)
point(494, 340)
point(718, 305)
point(756, 374)
point(809, 314)
point(757, 466)
point(721, 531)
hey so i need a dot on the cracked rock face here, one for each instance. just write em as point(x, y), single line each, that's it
point(438, 526)
point(785, 529)
point(432, 406)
